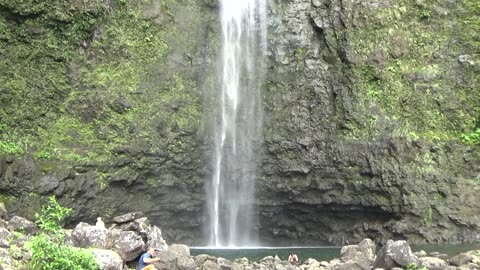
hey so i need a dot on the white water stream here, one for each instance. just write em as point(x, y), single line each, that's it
point(238, 124)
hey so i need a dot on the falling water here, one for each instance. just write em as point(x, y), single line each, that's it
point(238, 123)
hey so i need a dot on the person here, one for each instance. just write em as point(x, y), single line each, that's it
point(293, 259)
point(146, 260)
point(100, 224)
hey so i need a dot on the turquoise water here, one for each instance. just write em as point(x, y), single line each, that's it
point(318, 253)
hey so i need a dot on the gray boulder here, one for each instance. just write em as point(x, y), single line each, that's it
point(461, 259)
point(127, 244)
point(108, 259)
point(210, 265)
point(127, 217)
point(20, 224)
point(201, 258)
point(85, 236)
point(179, 250)
point(225, 264)
point(155, 239)
point(311, 264)
point(5, 257)
point(182, 254)
point(395, 254)
point(351, 265)
point(152, 233)
point(186, 263)
point(5, 236)
point(168, 261)
point(433, 263)
point(363, 253)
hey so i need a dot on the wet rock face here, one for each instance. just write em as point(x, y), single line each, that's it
point(321, 179)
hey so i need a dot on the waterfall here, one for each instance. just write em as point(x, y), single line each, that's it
point(238, 127)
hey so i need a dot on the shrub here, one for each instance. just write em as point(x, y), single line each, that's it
point(471, 138)
point(49, 251)
point(413, 266)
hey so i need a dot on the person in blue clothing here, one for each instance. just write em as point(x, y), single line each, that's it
point(146, 260)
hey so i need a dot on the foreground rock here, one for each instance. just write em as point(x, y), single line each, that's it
point(119, 246)
point(126, 239)
point(395, 254)
point(129, 236)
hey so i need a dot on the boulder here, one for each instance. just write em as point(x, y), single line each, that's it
point(20, 224)
point(168, 261)
point(128, 244)
point(395, 254)
point(152, 233)
point(108, 259)
point(420, 253)
point(85, 236)
point(182, 254)
point(201, 258)
point(210, 265)
point(433, 263)
point(461, 259)
point(5, 257)
point(155, 239)
point(186, 263)
point(179, 250)
point(363, 253)
point(127, 217)
point(311, 264)
point(5, 236)
point(351, 265)
point(225, 264)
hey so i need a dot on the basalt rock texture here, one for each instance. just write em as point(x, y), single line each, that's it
point(370, 129)
point(359, 124)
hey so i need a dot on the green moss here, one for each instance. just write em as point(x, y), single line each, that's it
point(6, 198)
point(103, 179)
point(472, 137)
point(405, 73)
point(10, 148)
point(64, 102)
point(37, 41)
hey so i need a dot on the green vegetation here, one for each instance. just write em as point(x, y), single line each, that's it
point(471, 138)
point(413, 266)
point(427, 218)
point(48, 248)
point(405, 73)
point(9, 148)
point(80, 79)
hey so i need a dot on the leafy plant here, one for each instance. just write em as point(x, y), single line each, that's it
point(43, 154)
point(471, 138)
point(413, 266)
point(9, 148)
point(48, 248)
point(52, 215)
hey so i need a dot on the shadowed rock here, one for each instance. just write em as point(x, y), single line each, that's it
point(395, 254)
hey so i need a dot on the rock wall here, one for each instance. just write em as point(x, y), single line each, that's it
point(358, 141)
point(370, 116)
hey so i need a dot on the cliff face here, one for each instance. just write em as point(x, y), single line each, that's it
point(365, 103)
point(371, 116)
point(102, 105)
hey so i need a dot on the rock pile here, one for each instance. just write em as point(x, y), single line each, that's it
point(119, 246)
point(126, 239)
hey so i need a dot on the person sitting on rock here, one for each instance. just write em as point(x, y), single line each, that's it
point(293, 259)
point(146, 260)
point(100, 223)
